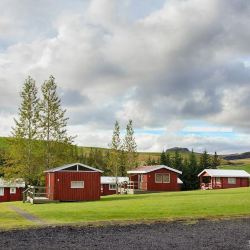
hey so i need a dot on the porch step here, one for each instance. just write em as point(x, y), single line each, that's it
point(41, 200)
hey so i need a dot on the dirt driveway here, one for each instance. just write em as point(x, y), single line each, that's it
point(225, 234)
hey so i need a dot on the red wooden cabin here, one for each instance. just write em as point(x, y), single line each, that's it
point(222, 178)
point(73, 182)
point(11, 190)
point(155, 178)
point(109, 183)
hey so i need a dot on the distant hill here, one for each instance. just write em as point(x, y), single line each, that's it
point(178, 149)
point(245, 155)
point(143, 156)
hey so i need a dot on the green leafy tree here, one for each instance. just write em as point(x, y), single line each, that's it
point(130, 146)
point(23, 157)
point(115, 149)
point(53, 125)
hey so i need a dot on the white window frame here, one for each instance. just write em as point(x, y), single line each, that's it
point(217, 180)
point(231, 180)
point(12, 190)
point(112, 188)
point(161, 175)
point(1, 191)
point(156, 180)
point(168, 178)
point(77, 184)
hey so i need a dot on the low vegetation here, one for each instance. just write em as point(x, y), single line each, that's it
point(157, 206)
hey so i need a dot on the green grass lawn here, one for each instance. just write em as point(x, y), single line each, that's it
point(157, 206)
point(10, 219)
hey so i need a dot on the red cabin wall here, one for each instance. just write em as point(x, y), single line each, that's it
point(106, 190)
point(148, 181)
point(12, 197)
point(240, 182)
point(172, 186)
point(61, 186)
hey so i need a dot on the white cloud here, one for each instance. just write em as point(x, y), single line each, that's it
point(177, 63)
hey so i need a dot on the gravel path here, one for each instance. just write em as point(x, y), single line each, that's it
point(225, 234)
point(27, 216)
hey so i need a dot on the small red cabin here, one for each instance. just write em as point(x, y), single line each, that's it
point(11, 190)
point(222, 178)
point(109, 184)
point(73, 182)
point(155, 178)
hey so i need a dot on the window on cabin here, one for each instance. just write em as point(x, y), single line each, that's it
point(12, 190)
point(217, 180)
point(158, 178)
point(231, 180)
point(166, 178)
point(112, 186)
point(162, 178)
point(1, 191)
point(77, 184)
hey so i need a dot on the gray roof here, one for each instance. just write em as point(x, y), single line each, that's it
point(225, 173)
point(148, 169)
point(18, 183)
point(112, 179)
point(71, 165)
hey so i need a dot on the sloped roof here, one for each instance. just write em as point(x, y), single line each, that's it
point(71, 165)
point(18, 183)
point(148, 169)
point(112, 179)
point(225, 173)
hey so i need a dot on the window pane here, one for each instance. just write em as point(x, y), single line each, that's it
point(158, 178)
point(165, 178)
point(77, 184)
point(12, 190)
point(112, 186)
point(217, 179)
point(1, 191)
point(231, 180)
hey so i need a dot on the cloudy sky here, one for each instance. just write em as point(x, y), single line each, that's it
point(179, 68)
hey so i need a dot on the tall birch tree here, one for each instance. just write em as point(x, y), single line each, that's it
point(24, 146)
point(53, 125)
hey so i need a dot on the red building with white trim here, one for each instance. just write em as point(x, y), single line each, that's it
point(155, 178)
point(11, 190)
point(109, 183)
point(73, 182)
point(223, 178)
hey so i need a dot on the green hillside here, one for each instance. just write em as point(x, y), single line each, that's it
point(143, 156)
point(243, 164)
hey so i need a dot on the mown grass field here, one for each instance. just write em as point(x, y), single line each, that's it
point(158, 206)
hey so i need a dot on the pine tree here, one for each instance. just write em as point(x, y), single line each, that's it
point(205, 161)
point(24, 147)
point(190, 173)
point(163, 158)
point(177, 161)
point(53, 125)
point(168, 160)
point(215, 161)
point(130, 146)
